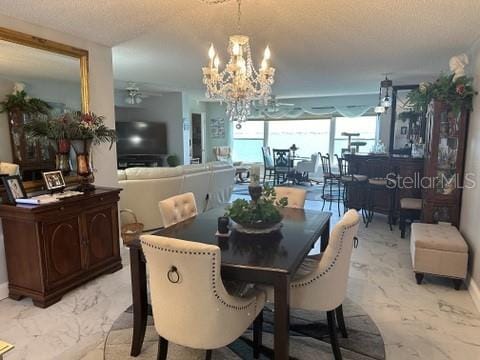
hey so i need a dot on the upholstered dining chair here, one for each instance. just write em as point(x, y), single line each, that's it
point(296, 197)
point(9, 168)
point(177, 208)
point(190, 304)
point(320, 284)
point(307, 167)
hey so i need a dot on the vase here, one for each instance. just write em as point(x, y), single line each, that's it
point(255, 192)
point(62, 156)
point(84, 169)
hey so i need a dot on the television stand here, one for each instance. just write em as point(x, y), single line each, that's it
point(124, 162)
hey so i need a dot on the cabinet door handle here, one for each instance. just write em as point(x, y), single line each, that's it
point(101, 198)
point(61, 208)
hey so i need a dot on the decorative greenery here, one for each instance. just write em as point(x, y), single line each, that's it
point(265, 210)
point(458, 93)
point(52, 129)
point(89, 126)
point(173, 160)
point(20, 101)
point(72, 126)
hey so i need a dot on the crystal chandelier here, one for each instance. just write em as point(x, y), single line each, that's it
point(239, 84)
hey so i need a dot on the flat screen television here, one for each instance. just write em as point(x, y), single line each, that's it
point(141, 138)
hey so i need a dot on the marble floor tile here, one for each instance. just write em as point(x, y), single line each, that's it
point(431, 321)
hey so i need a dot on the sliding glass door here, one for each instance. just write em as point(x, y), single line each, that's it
point(310, 136)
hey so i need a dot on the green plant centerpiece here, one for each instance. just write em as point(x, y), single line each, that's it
point(259, 215)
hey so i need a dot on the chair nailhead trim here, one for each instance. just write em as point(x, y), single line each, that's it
point(214, 287)
point(331, 266)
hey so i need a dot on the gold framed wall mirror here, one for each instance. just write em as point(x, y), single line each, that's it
point(53, 72)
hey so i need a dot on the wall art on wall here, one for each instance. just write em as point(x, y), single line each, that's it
point(217, 128)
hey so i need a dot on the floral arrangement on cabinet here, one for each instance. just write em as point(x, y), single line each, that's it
point(81, 131)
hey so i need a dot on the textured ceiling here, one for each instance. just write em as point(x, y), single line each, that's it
point(319, 47)
point(21, 63)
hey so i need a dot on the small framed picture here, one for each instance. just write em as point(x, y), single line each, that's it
point(14, 188)
point(403, 130)
point(54, 180)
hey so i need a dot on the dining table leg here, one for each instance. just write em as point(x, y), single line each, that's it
point(139, 298)
point(282, 316)
point(324, 238)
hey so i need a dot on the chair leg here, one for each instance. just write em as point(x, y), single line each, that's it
point(257, 335)
point(208, 355)
point(341, 321)
point(402, 225)
point(323, 192)
point(332, 330)
point(162, 348)
point(419, 277)
point(457, 283)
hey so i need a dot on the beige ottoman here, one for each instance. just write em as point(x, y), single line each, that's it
point(438, 249)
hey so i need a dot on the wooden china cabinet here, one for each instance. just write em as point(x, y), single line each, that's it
point(32, 155)
point(445, 139)
point(53, 248)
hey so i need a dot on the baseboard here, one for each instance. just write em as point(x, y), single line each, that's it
point(474, 290)
point(3, 290)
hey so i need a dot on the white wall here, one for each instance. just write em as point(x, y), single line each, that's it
point(166, 109)
point(101, 101)
point(471, 197)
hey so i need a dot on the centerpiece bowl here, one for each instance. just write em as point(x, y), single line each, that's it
point(261, 215)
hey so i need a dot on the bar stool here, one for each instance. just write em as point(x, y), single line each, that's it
point(351, 182)
point(410, 209)
point(332, 181)
point(381, 184)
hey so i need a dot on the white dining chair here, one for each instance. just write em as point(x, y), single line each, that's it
point(307, 167)
point(190, 304)
point(321, 282)
point(177, 208)
point(296, 197)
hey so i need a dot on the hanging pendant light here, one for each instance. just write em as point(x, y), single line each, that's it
point(384, 99)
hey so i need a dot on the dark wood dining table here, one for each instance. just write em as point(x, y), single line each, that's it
point(269, 259)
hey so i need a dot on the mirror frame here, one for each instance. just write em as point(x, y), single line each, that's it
point(58, 48)
point(393, 118)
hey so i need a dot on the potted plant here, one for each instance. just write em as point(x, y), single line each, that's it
point(173, 160)
point(56, 132)
point(261, 214)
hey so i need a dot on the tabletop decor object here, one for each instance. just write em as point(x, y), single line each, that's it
point(86, 130)
point(261, 214)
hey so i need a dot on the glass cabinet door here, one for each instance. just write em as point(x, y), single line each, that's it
point(448, 142)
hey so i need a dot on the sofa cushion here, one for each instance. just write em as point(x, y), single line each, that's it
point(438, 237)
point(411, 203)
point(121, 175)
point(194, 168)
point(145, 173)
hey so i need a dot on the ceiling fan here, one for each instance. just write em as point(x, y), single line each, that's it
point(134, 96)
point(273, 105)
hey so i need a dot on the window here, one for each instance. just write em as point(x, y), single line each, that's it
point(365, 125)
point(310, 136)
point(248, 142)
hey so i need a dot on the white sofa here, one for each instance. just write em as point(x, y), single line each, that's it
point(143, 188)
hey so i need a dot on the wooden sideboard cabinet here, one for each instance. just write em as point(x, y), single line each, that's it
point(53, 248)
